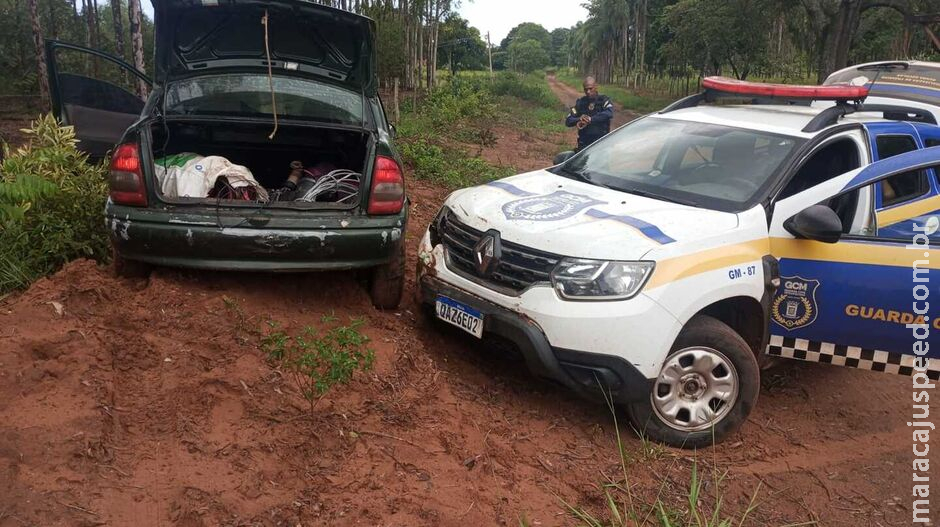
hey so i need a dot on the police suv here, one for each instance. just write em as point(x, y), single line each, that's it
point(665, 264)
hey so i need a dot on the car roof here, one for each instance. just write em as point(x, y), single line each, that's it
point(779, 119)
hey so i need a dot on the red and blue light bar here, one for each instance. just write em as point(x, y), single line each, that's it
point(785, 91)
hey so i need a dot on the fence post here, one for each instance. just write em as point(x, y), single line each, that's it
point(397, 112)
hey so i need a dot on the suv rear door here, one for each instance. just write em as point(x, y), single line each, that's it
point(94, 92)
point(852, 302)
point(904, 200)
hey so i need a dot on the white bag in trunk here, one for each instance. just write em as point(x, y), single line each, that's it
point(190, 175)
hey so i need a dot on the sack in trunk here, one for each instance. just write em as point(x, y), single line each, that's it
point(189, 175)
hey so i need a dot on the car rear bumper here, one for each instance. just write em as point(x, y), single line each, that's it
point(334, 244)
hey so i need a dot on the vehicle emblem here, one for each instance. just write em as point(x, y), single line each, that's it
point(487, 252)
point(795, 304)
point(556, 206)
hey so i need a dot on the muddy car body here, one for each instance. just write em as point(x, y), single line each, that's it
point(221, 69)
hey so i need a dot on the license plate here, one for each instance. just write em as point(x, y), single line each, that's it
point(460, 315)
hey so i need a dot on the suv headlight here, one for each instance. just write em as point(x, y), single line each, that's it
point(579, 279)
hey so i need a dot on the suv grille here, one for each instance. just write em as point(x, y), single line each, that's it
point(518, 268)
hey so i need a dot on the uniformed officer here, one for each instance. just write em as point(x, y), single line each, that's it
point(591, 114)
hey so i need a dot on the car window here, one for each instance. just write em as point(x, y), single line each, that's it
point(903, 187)
point(827, 162)
point(892, 145)
point(379, 112)
point(250, 95)
point(709, 165)
point(860, 217)
point(931, 142)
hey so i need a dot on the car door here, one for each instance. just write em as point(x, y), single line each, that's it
point(861, 301)
point(903, 201)
point(94, 92)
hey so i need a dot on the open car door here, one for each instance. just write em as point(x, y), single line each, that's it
point(94, 92)
point(854, 292)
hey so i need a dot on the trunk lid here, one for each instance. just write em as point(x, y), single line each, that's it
point(567, 217)
point(305, 39)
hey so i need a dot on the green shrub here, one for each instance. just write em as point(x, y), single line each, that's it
point(318, 362)
point(462, 100)
point(51, 203)
point(530, 88)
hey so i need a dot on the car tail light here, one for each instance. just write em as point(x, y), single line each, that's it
point(387, 195)
point(126, 180)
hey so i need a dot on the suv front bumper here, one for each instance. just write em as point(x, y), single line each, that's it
point(622, 344)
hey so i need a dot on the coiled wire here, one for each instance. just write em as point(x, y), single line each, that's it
point(344, 184)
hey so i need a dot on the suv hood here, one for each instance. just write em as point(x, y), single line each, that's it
point(571, 218)
point(305, 39)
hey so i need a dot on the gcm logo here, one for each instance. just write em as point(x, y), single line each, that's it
point(796, 286)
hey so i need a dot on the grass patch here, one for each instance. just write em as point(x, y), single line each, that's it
point(466, 111)
point(449, 166)
point(622, 508)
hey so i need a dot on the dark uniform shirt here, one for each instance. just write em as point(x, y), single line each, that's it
point(601, 111)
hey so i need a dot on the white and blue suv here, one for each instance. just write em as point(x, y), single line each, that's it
point(670, 259)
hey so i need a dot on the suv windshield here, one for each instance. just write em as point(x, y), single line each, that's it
point(249, 95)
point(707, 165)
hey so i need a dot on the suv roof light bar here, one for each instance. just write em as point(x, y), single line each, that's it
point(735, 87)
point(717, 88)
point(848, 99)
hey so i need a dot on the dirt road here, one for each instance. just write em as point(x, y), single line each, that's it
point(147, 403)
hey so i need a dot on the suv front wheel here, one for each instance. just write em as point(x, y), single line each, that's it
point(705, 390)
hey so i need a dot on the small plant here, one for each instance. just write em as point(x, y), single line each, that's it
point(315, 361)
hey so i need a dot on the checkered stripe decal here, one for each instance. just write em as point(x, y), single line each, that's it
point(851, 356)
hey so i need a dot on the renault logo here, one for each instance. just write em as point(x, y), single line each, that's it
point(487, 253)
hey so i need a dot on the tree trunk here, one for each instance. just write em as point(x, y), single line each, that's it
point(137, 42)
point(640, 28)
point(53, 27)
point(94, 15)
point(839, 27)
point(40, 53)
point(116, 18)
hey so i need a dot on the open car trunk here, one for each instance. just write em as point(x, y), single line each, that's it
point(201, 161)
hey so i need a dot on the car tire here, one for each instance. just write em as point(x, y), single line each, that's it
point(388, 281)
point(129, 268)
point(707, 387)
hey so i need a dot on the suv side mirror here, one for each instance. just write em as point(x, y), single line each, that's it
point(562, 157)
point(818, 222)
point(392, 131)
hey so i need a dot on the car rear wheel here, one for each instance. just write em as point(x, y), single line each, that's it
point(388, 281)
point(705, 390)
point(129, 268)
